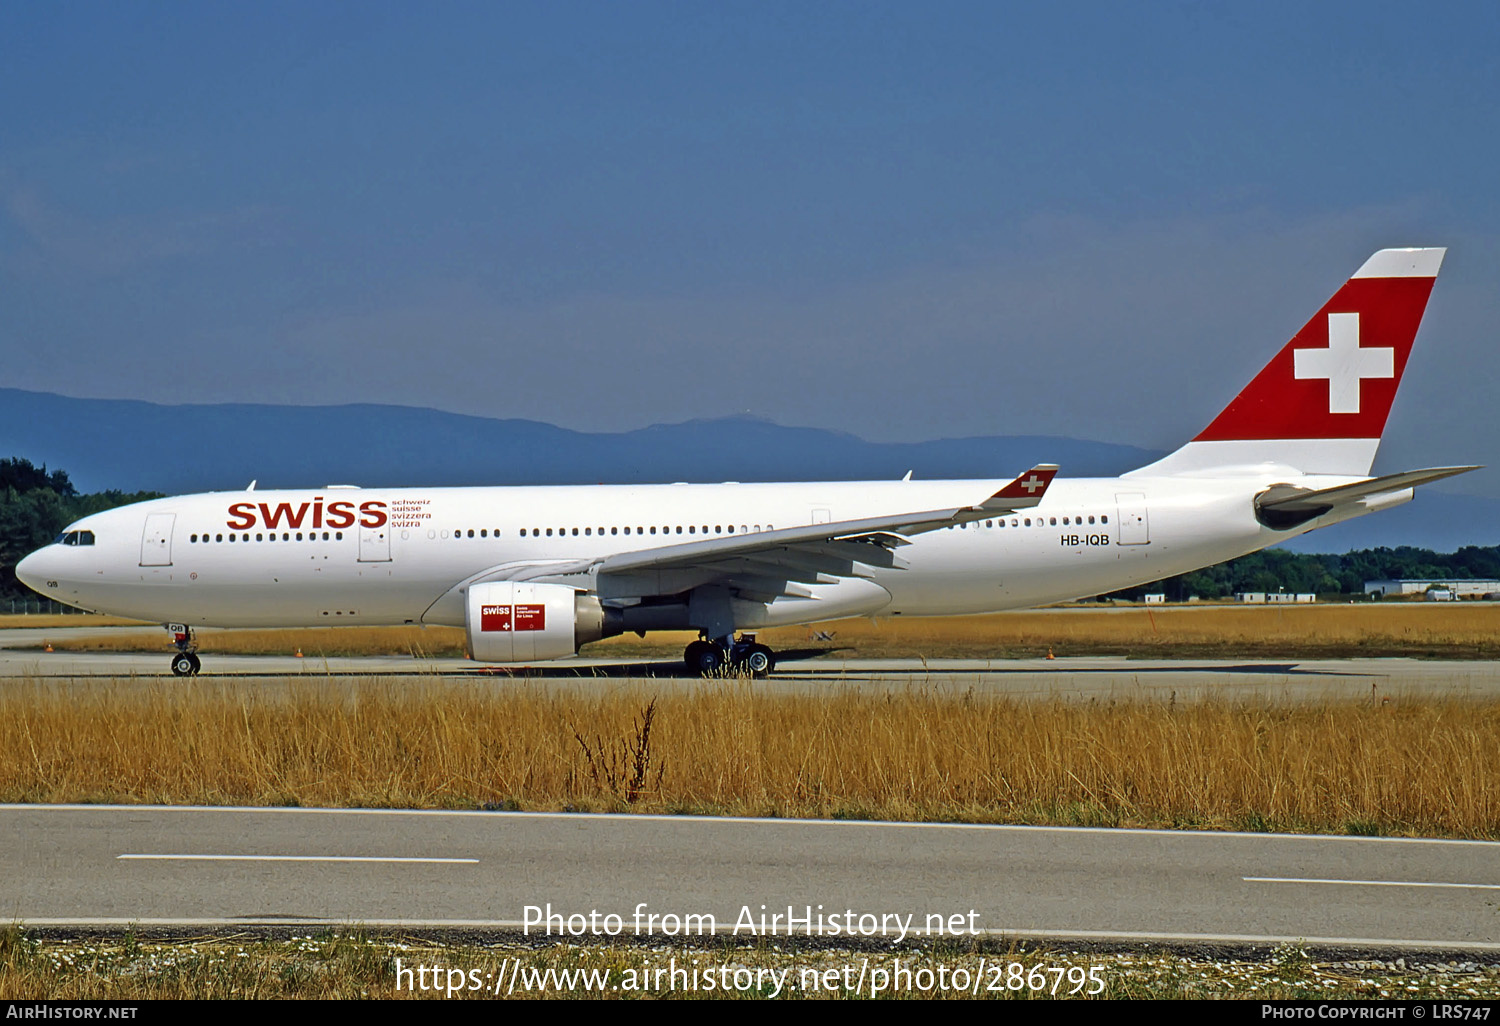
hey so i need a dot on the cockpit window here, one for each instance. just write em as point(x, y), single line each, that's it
point(75, 538)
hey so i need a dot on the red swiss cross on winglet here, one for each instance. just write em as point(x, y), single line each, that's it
point(1029, 488)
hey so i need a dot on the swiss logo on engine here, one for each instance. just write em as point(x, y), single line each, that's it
point(513, 618)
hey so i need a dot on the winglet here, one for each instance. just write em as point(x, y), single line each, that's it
point(1027, 489)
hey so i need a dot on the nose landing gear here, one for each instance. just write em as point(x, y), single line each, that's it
point(186, 662)
point(710, 658)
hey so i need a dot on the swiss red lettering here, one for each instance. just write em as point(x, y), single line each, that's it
point(242, 515)
point(531, 618)
point(494, 618)
point(283, 509)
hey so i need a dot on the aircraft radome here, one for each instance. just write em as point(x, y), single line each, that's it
point(532, 573)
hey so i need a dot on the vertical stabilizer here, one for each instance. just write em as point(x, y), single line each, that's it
point(1321, 404)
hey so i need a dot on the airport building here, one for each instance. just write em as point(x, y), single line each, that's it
point(1264, 598)
point(1473, 589)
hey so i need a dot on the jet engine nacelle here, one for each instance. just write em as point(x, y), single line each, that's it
point(517, 622)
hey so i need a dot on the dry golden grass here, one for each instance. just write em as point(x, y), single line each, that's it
point(61, 620)
point(1453, 630)
point(1427, 767)
point(435, 642)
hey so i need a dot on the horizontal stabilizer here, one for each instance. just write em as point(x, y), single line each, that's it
point(1285, 506)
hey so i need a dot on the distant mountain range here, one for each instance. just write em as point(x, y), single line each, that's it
point(133, 446)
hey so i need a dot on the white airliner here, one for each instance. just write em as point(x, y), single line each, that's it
point(533, 573)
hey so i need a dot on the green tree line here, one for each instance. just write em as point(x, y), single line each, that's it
point(1280, 570)
point(35, 505)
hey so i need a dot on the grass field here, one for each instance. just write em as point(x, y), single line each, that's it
point(69, 620)
point(1428, 767)
point(1435, 630)
point(333, 964)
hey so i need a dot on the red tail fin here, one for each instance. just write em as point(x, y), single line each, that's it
point(1321, 404)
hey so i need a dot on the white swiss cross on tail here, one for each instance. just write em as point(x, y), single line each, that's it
point(1320, 405)
point(1344, 363)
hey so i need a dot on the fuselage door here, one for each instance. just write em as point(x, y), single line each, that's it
point(156, 540)
point(375, 544)
point(1135, 528)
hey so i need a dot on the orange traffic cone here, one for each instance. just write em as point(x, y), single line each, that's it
point(48, 648)
point(1049, 653)
point(298, 653)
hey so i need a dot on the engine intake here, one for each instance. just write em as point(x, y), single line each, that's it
point(517, 622)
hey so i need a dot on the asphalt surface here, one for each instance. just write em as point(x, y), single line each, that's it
point(104, 866)
point(1080, 678)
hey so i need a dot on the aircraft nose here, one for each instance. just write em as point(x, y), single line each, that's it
point(33, 570)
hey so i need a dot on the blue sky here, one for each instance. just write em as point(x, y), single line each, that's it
point(906, 221)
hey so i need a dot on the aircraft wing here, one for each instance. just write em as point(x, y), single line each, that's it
point(768, 564)
point(1287, 505)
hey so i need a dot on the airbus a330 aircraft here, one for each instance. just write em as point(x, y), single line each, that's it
point(533, 573)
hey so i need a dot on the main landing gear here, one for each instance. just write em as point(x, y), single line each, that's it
point(186, 662)
point(709, 658)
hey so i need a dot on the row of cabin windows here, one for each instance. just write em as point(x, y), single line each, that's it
point(265, 536)
point(694, 529)
point(1040, 522)
point(589, 532)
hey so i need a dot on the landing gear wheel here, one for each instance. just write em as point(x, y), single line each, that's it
point(760, 661)
point(704, 658)
point(186, 662)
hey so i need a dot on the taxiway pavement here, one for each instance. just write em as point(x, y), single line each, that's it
point(107, 866)
point(1073, 677)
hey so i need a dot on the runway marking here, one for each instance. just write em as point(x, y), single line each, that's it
point(288, 858)
point(584, 818)
point(1369, 883)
